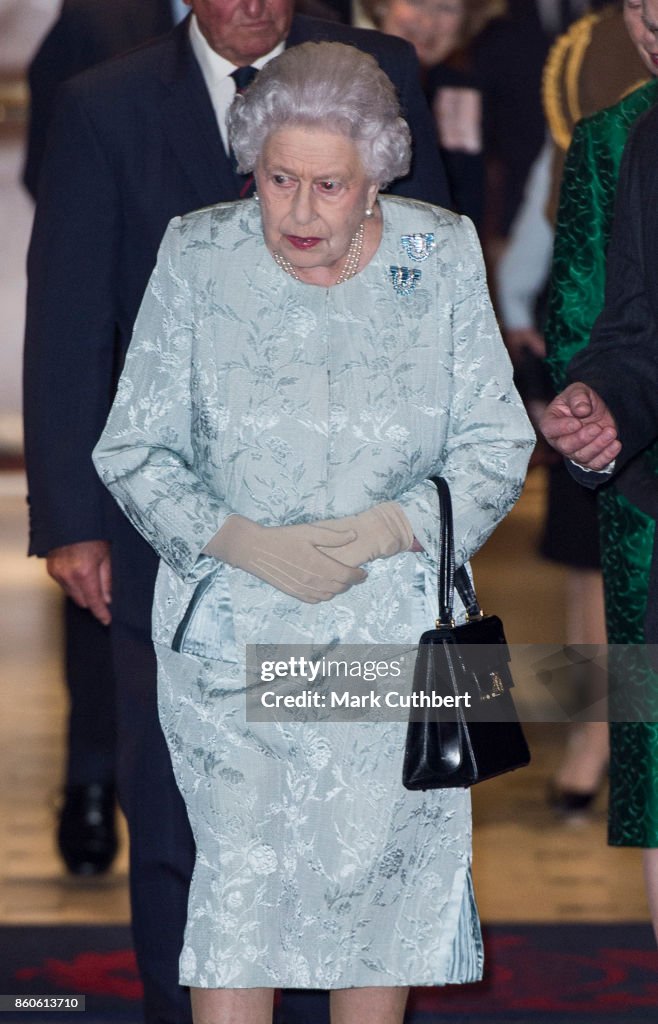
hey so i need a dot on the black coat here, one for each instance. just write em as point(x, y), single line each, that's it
point(133, 143)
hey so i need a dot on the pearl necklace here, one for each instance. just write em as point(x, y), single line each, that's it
point(350, 266)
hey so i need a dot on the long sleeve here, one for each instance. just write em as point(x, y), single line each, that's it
point(171, 440)
point(70, 332)
point(524, 266)
point(490, 438)
point(145, 455)
point(60, 56)
point(579, 255)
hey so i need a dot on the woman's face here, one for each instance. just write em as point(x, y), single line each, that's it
point(644, 41)
point(432, 26)
point(313, 194)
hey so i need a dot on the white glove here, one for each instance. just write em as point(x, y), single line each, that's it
point(381, 531)
point(293, 559)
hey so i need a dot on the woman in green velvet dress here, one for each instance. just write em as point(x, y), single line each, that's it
point(577, 293)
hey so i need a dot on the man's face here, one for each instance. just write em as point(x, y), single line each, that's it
point(243, 30)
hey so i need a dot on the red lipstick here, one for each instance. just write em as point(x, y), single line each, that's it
point(302, 243)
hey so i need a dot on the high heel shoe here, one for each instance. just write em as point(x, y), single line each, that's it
point(571, 802)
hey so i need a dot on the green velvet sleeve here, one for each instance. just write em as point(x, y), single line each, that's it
point(581, 239)
point(584, 224)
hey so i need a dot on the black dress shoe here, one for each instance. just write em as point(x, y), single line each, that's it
point(86, 835)
point(570, 802)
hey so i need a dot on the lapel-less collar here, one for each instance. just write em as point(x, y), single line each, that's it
point(190, 125)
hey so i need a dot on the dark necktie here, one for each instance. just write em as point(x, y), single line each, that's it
point(242, 78)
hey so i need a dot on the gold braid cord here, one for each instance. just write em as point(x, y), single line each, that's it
point(633, 87)
point(560, 79)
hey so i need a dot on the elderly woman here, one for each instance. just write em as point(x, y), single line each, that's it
point(437, 28)
point(302, 362)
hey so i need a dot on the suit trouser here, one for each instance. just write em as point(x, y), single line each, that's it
point(90, 682)
point(161, 843)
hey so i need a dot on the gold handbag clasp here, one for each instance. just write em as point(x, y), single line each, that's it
point(497, 687)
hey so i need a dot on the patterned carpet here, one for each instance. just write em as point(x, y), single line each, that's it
point(536, 974)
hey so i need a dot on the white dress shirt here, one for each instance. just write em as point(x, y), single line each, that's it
point(179, 10)
point(524, 267)
point(217, 73)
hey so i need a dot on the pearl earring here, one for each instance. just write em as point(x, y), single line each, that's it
point(369, 212)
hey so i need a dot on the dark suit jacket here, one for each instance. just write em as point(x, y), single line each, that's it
point(621, 360)
point(133, 143)
point(84, 34)
point(88, 32)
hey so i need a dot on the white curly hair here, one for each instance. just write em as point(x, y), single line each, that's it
point(330, 86)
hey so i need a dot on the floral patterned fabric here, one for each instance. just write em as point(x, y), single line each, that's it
point(247, 391)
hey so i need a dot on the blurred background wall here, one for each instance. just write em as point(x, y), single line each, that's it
point(22, 24)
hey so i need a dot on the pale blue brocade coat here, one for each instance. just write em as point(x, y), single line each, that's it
point(247, 391)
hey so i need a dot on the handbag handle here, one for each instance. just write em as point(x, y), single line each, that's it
point(449, 577)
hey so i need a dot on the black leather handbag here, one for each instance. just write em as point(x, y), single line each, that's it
point(463, 727)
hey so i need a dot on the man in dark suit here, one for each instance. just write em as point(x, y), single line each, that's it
point(609, 413)
point(88, 32)
point(132, 144)
point(84, 34)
